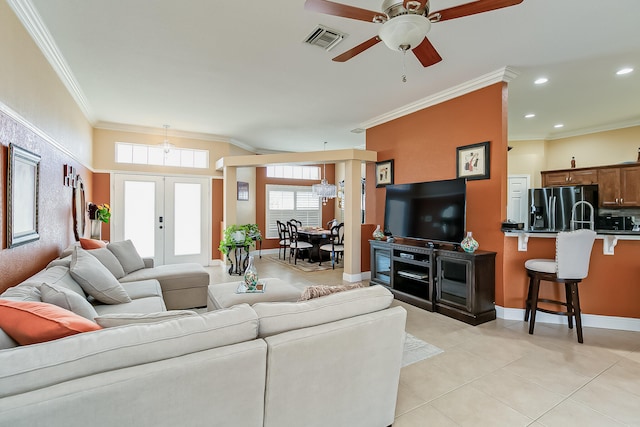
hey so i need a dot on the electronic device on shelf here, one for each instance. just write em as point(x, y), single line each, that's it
point(407, 256)
point(433, 211)
point(418, 275)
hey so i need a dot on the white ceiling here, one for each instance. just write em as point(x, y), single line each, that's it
point(239, 70)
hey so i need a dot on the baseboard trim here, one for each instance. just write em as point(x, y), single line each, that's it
point(588, 320)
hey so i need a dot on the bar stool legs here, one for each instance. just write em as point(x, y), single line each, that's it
point(572, 301)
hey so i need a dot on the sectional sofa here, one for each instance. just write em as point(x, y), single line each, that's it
point(124, 359)
point(333, 360)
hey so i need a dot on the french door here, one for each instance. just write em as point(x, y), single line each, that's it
point(166, 217)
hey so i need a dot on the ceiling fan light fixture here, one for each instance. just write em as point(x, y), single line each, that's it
point(404, 32)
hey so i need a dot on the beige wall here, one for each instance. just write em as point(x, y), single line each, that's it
point(246, 210)
point(31, 88)
point(527, 158)
point(104, 151)
point(595, 149)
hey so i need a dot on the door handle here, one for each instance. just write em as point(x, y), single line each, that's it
point(161, 220)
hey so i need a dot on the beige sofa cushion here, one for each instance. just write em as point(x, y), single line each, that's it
point(138, 305)
point(30, 368)
point(278, 317)
point(172, 276)
point(121, 319)
point(143, 289)
point(127, 255)
point(109, 260)
point(95, 279)
point(67, 299)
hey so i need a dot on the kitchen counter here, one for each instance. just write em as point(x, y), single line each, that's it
point(610, 237)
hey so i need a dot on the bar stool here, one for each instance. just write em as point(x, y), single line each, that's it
point(571, 265)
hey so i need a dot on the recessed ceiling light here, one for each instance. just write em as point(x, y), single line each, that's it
point(541, 81)
point(623, 71)
point(529, 116)
point(559, 125)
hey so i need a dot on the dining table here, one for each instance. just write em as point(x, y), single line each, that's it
point(317, 236)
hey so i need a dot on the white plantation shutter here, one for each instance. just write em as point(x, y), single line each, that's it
point(285, 202)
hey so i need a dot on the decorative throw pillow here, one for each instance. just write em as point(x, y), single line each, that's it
point(120, 319)
point(317, 291)
point(95, 279)
point(67, 299)
point(92, 244)
point(127, 255)
point(109, 260)
point(34, 322)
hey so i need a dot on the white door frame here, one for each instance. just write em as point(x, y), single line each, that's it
point(206, 229)
point(528, 181)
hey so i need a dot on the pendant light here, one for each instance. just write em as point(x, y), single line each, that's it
point(166, 146)
point(324, 189)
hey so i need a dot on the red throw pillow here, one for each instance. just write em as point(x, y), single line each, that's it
point(92, 244)
point(29, 322)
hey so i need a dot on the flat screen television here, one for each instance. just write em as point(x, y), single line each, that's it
point(434, 211)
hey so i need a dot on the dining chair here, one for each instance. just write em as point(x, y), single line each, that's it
point(295, 245)
point(336, 246)
point(298, 223)
point(570, 266)
point(283, 237)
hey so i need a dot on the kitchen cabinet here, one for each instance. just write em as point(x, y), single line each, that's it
point(569, 177)
point(619, 186)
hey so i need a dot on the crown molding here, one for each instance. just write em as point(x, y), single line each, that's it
point(11, 113)
point(32, 22)
point(148, 130)
point(505, 74)
point(577, 132)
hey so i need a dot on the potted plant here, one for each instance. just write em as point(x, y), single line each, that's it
point(236, 236)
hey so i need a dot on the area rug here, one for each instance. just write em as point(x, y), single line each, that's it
point(302, 265)
point(416, 350)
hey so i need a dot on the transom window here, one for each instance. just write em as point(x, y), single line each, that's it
point(286, 202)
point(156, 155)
point(294, 172)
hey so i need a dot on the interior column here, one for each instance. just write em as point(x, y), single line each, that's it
point(352, 208)
point(229, 195)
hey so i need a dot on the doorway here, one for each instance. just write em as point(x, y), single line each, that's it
point(166, 217)
point(518, 200)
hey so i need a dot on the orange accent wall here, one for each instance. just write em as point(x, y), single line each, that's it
point(423, 146)
point(262, 181)
point(217, 213)
point(102, 194)
point(55, 220)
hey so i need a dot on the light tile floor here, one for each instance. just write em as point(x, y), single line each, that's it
point(496, 374)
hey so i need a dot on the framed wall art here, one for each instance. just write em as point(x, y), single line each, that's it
point(243, 190)
point(473, 161)
point(23, 175)
point(384, 173)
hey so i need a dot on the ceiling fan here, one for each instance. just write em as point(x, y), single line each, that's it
point(405, 23)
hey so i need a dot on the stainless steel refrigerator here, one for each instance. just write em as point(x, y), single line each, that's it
point(563, 208)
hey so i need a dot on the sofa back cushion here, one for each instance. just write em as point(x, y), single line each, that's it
point(33, 367)
point(96, 279)
point(278, 317)
point(127, 255)
point(67, 299)
point(109, 260)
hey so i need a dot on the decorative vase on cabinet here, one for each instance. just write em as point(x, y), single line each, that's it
point(469, 244)
point(378, 234)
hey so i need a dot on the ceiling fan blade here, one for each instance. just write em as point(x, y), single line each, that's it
point(357, 50)
point(426, 53)
point(471, 9)
point(343, 10)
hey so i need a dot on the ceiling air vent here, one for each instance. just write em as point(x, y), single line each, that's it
point(325, 37)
